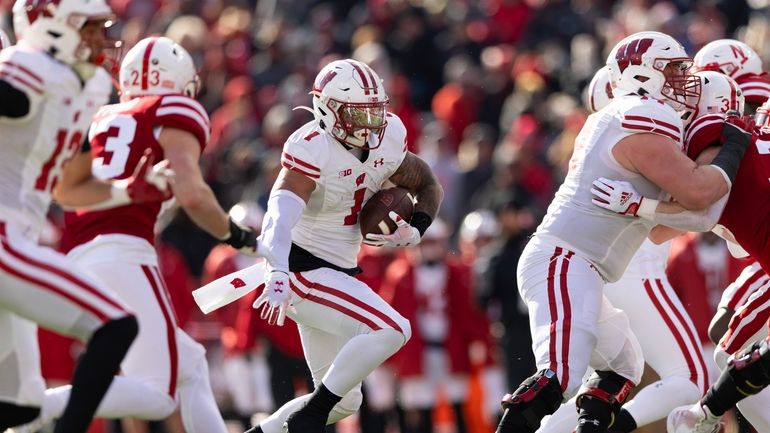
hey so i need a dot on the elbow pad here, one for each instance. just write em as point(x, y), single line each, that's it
point(284, 208)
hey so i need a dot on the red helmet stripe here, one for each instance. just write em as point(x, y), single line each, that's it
point(371, 76)
point(146, 62)
point(363, 77)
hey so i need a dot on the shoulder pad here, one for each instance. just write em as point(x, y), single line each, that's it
point(703, 132)
point(756, 88)
point(396, 130)
point(651, 116)
point(305, 151)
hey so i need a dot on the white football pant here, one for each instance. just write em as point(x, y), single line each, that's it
point(164, 365)
point(40, 285)
point(347, 330)
point(573, 324)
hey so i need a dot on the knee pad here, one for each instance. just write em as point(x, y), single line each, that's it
point(536, 397)
point(750, 368)
point(602, 397)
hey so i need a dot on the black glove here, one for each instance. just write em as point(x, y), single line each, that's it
point(735, 141)
point(242, 239)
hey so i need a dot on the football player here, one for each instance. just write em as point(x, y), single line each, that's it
point(311, 237)
point(657, 317)
point(577, 249)
point(157, 115)
point(50, 87)
point(742, 220)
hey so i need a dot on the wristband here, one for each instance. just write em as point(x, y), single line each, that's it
point(647, 208)
point(421, 221)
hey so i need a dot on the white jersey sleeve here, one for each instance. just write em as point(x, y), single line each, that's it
point(304, 151)
point(396, 131)
point(647, 115)
point(25, 71)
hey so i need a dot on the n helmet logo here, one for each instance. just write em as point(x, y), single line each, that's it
point(738, 53)
point(37, 8)
point(631, 53)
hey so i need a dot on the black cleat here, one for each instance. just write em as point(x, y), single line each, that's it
point(300, 422)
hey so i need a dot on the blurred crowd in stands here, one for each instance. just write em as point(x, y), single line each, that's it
point(491, 92)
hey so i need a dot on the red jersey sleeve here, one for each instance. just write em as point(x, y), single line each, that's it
point(178, 111)
point(705, 131)
point(755, 87)
point(762, 141)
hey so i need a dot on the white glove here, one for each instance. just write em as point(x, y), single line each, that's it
point(275, 298)
point(404, 235)
point(621, 197)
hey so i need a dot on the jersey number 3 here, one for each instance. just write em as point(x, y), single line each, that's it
point(119, 131)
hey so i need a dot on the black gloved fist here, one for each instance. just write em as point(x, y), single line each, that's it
point(243, 239)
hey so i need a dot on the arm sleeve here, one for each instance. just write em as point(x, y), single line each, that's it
point(693, 221)
point(185, 113)
point(284, 208)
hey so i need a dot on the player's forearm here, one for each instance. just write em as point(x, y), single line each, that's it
point(673, 215)
point(202, 207)
point(704, 187)
point(91, 194)
point(284, 209)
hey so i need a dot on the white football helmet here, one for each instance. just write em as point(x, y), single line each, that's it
point(719, 94)
point(728, 56)
point(349, 102)
point(654, 64)
point(158, 66)
point(54, 26)
point(4, 41)
point(599, 94)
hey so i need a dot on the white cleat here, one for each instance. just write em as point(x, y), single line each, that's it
point(692, 419)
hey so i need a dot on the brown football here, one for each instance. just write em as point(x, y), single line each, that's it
point(374, 215)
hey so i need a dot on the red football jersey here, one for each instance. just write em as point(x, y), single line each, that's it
point(747, 214)
point(119, 135)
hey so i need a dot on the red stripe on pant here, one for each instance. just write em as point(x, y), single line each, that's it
point(553, 309)
point(57, 291)
point(334, 306)
point(170, 328)
point(60, 272)
point(689, 332)
point(675, 331)
point(744, 324)
point(347, 297)
point(567, 318)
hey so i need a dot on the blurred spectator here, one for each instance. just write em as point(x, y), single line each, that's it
point(433, 291)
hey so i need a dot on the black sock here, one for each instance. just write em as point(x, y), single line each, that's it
point(320, 403)
point(723, 395)
point(594, 416)
point(624, 423)
point(95, 371)
point(12, 415)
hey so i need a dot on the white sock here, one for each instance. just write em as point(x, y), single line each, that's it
point(563, 420)
point(754, 408)
point(656, 400)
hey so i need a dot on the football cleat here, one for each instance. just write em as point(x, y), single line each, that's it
point(693, 419)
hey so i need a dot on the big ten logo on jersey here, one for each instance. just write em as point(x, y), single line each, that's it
point(111, 139)
point(346, 172)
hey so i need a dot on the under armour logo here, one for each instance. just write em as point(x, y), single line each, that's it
point(237, 283)
point(592, 421)
point(278, 287)
point(378, 162)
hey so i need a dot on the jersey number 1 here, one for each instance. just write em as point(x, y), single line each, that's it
point(358, 200)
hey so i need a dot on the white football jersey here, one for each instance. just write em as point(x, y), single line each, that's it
point(329, 226)
point(649, 261)
point(35, 147)
point(608, 240)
